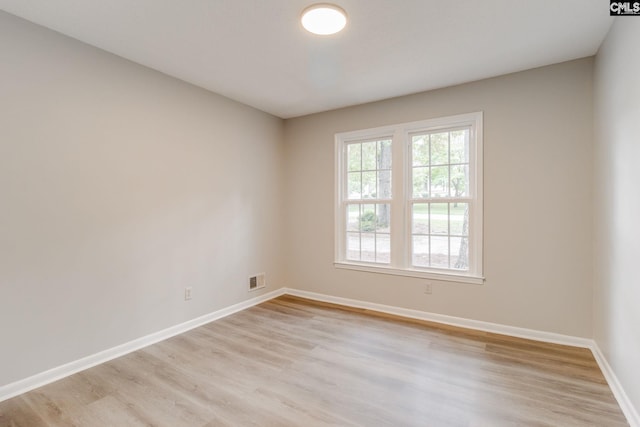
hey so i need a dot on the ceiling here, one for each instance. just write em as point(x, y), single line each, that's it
point(256, 52)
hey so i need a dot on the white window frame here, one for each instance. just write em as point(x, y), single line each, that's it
point(401, 198)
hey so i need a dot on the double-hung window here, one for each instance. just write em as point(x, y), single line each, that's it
point(409, 199)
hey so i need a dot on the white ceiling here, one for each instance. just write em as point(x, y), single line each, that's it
point(256, 52)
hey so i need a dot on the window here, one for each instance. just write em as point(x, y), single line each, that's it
point(409, 199)
point(368, 206)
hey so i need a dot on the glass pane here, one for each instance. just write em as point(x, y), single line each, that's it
point(353, 246)
point(440, 148)
point(368, 218)
point(420, 251)
point(420, 218)
point(369, 155)
point(383, 218)
point(420, 182)
point(353, 213)
point(383, 248)
point(354, 157)
point(460, 146)
point(439, 218)
point(440, 181)
point(459, 181)
point(439, 251)
point(459, 253)
point(369, 185)
point(368, 242)
point(384, 184)
point(459, 219)
point(384, 154)
point(420, 150)
point(355, 185)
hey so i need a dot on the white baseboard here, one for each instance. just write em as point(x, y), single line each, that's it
point(621, 396)
point(22, 386)
point(449, 320)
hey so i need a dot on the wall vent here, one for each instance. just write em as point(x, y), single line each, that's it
point(257, 282)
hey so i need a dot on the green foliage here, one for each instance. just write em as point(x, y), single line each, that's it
point(432, 153)
point(369, 156)
point(354, 156)
point(369, 169)
point(368, 221)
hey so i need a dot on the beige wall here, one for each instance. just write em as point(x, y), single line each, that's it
point(537, 210)
point(617, 203)
point(119, 187)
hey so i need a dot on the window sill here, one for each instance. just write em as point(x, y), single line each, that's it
point(446, 277)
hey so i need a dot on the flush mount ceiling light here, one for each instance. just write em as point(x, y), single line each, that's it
point(324, 19)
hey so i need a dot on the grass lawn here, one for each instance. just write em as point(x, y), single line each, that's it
point(439, 208)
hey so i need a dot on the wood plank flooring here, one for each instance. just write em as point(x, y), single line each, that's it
point(293, 362)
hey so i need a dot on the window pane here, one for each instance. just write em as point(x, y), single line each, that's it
point(369, 155)
point(384, 184)
point(420, 246)
point(459, 181)
point(368, 185)
point(460, 146)
point(353, 213)
point(420, 150)
point(439, 218)
point(459, 219)
point(420, 218)
point(440, 181)
point(354, 157)
point(368, 247)
point(420, 182)
point(383, 218)
point(384, 154)
point(459, 253)
point(368, 218)
point(439, 251)
point(440, 148)
point(353, 246)
point(383, 248)
point(355, 185)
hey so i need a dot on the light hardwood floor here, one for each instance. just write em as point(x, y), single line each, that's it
point(293, 362)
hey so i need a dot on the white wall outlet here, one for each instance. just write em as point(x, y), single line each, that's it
point(187, 293)
point(428, 288)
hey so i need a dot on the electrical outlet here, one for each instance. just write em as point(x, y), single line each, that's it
point(187, 293)
point(428, 288)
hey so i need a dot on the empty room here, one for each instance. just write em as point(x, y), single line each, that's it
point(295, 213)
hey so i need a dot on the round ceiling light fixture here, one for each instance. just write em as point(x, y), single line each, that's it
point(324, 19)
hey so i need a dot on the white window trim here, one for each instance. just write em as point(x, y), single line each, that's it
point(400, 224)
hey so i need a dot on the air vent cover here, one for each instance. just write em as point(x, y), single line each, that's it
point(257, 282)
